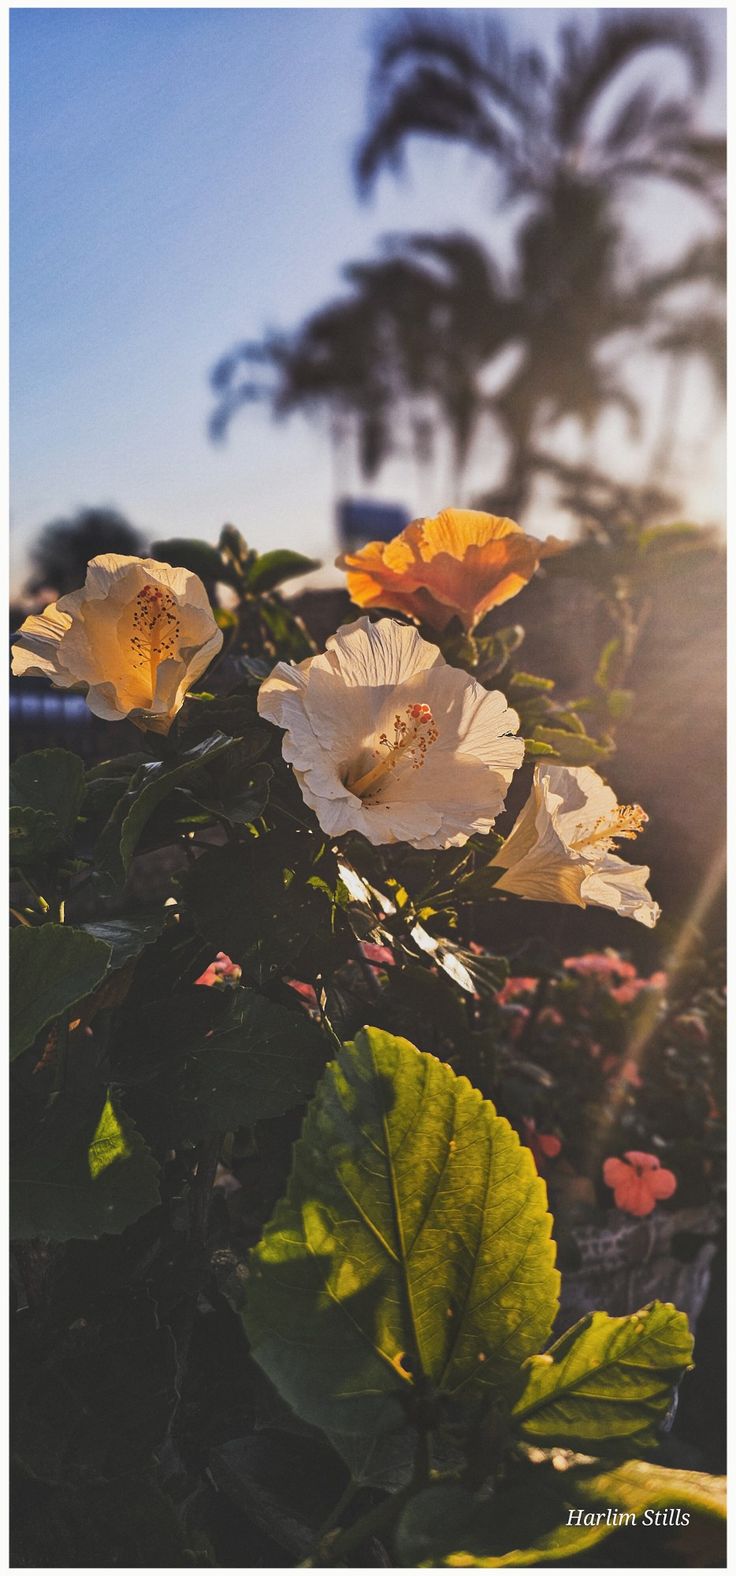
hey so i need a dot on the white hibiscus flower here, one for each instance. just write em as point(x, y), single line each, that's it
point(135, 638)
point(387, 740)
point(561, 848)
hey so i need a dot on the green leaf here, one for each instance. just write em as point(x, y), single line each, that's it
point(127, 938)
point(526, 1522)
point(575, 749)
point(87, 1173)
point(34, 836)
point(253, 903)
point(534, 749)
point(638, 1486)
point(570, 721)
point(46, 789)
point(620, 703)
point(477, 885)
point(150, 785)
point(656, 537)
point(413, 1240)
point(185, 552)
point(51, 968)
point(51, 781)
point(606, 1382)
point(270, 569)
point(239, 793)
point(233, 715)
point(449, 1525)
point(495, 650)
point(266, 1063)
point(609, 663)
point(529, 681)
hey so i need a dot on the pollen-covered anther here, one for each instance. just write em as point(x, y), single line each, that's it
point(412, 736)
point(626, 821)
point(156, 627)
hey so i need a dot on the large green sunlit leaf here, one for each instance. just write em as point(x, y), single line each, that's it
point(86, 1173)
point(413, 1241)
point(638, 1486)
point(607, 1382)
point(51, 968)
point(543, 1515)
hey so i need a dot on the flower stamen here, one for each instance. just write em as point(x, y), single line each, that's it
point(625, 821)
point(411, 740)
point(156, 629)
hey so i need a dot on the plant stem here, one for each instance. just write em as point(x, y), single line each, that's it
point(332, 1520)
point(380, 1518)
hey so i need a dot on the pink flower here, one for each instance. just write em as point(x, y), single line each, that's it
point(631, 988)
point(544, 1146)
point(375, 954)
point(307, 993)
point(517, 1020)
point(638, 1181)
point(631, 1075)
point(552, 1016)
point(222, 972)
point(601, 965)
point(521, 986)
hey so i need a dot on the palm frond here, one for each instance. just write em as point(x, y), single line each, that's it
point(589, 66)
point(702, 337)
point(430, 103)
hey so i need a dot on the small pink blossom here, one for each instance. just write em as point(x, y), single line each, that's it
point(601, 965)
point(521, 986)
point(517, 1021)
point(222, 972)
point(551, 1016)
point(375, 954)
point(631, 988)
point(638, 1181)
point(307, 992)
point(544, 1146)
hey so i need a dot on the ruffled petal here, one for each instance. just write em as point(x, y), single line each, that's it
point(384, 653)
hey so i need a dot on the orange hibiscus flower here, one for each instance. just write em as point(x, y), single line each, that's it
point(460, 561)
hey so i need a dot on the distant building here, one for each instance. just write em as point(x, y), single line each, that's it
point(361, 520)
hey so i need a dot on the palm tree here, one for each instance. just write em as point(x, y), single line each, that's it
point(458, 78)
point(394, 360)
point(423, 321)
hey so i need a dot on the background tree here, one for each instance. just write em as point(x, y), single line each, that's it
point(401, 357)
point(64, 547)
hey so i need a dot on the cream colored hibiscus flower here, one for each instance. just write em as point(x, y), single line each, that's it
point(562, 846)
point(387, 740)
point(135, 637)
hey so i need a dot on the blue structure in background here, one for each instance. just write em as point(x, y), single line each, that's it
point(360, 520)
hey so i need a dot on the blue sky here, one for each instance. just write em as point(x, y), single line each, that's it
point(180, 179)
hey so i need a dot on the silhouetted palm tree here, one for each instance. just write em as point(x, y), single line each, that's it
point(423, 321)
point(458, 78)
